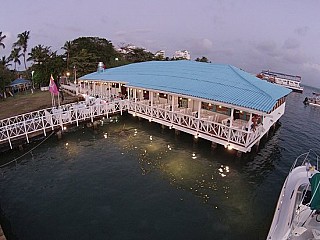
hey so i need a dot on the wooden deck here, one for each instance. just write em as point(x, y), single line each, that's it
point(215, 127)
point(41, 121)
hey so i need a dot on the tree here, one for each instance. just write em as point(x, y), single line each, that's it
point(68, 48)
point(2, 37)
point(5, 74)
point(15, 57)
point(5, 62)
point(46, 63)
point(96, 49)
point(84, 62)
point(203, 59)
point(39, 54)
point(136, 54)
point(23, 43)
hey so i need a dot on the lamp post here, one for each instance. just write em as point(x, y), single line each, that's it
point(32, 79)
point(32, 87)
point(75, 78)
point(68, 75)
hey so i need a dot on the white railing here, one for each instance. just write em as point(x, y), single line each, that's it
point(215, 130)
point(50, 118)
point(25, 124)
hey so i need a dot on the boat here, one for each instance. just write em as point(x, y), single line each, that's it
point(314, 100)
point(282, 79)
point(297, 215)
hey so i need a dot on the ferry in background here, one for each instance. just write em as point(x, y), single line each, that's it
point(285, 80)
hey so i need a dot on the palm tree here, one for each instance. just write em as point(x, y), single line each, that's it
point(67, 47)
point(5, 62)
point(39, 54)
point(14, 56)
point(23, 43)
point(2, 37)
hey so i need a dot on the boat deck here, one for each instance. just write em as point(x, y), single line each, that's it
point(310, 228)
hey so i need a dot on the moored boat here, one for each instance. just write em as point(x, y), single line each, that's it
point(297, 215)
point(314, 100)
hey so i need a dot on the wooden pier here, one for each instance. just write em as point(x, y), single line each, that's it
point(27, 125)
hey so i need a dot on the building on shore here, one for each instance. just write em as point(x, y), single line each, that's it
point(184, 54)
point(217, 102)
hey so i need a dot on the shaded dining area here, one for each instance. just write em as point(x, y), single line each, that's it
point(209, 120)
point(217, 102)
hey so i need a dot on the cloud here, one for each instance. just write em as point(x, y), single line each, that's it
point(197, 47)
point(268, 48)
point(295, 57)
point(312, 66)
point(302, 31)
point(291, 43)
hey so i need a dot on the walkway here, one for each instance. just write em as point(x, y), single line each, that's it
point(208, 125)
point(33, 123)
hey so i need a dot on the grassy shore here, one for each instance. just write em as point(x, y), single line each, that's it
point(27, 102)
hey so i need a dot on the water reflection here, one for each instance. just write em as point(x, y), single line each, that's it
point(217, 180)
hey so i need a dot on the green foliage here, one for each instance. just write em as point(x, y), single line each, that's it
point(6, 76)
point(2, 37)
point(46, 63)
point(86, 52)
point(203, 59)
point(139, 55)
point(22, 43)
point(81, 56)
point(15, 56)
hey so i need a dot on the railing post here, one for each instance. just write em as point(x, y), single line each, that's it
point(25, 128)
point(91, 113)
point(43, 127)
point(8, 137)
point(76, 113)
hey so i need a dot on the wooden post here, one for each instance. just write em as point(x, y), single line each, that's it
point(214, 145)
point(95, 124)
point(59, 134)
point(239, 153)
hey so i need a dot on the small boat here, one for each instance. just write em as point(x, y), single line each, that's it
point(297, 215)
point(314, 100)
point(282, 79)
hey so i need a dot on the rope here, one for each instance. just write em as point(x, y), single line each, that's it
point(15, 160)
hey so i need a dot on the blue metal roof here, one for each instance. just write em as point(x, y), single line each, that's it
point(20, 81)
point(216, 82)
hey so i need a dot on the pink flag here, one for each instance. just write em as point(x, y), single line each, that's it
point(53, 87)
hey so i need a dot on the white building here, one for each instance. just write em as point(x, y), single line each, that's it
point(160, 54)
point(184, 54)
point(126, 49)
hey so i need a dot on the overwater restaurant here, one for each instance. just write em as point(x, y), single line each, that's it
point(217, 102)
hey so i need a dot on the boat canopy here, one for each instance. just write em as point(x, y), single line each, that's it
point(315, 190)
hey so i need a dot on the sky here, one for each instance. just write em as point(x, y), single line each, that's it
point(254, 35)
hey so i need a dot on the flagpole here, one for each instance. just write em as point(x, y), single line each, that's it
point(58, 100)
point(51, 99)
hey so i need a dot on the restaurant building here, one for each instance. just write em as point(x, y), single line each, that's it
point(217, 102)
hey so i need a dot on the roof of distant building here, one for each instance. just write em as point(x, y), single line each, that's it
point(217, 82)
point(20, 81)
